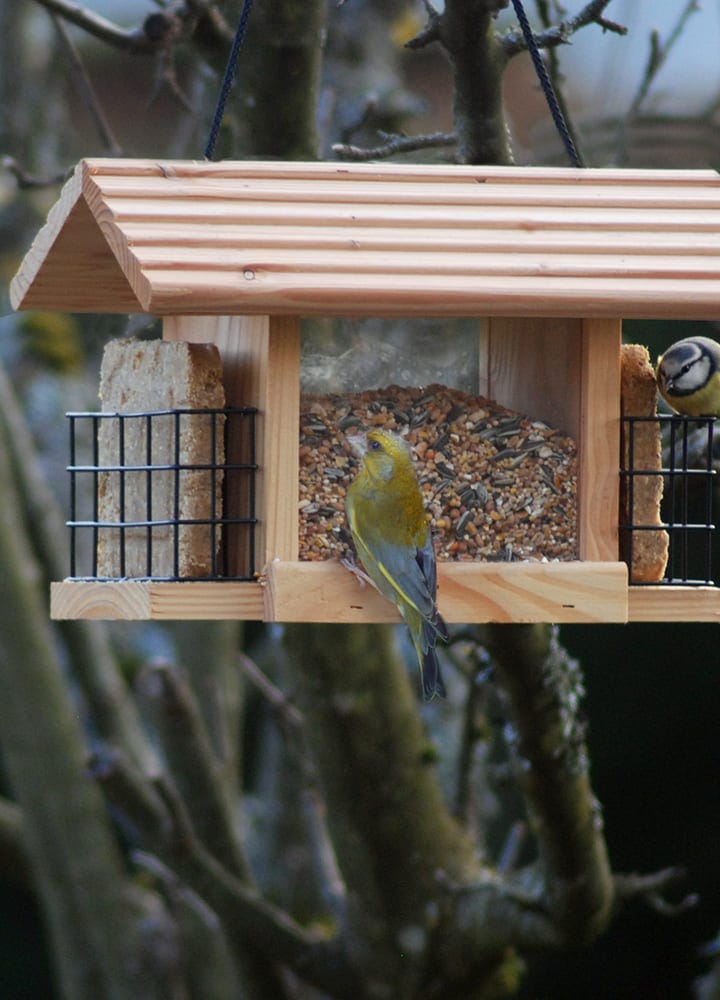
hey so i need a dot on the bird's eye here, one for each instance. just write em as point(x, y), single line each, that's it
point(375, 445)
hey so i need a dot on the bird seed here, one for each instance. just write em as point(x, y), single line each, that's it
point(497, 484)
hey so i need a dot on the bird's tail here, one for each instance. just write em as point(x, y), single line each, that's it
point(432, 682)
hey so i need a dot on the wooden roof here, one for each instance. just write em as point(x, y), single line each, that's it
point(336, 239)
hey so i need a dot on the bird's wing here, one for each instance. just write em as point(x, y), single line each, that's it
point(426, 561)
point(403, 572)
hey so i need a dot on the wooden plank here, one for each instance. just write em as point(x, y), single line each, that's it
point(127, 600)
point(599, 442)
point(282, 439)
point(107, 167)
point(522, 263)
point(46, 238)
point(327, 591)
point(321, 592)
point(206, 601)
point(532, 365)
point(137, 600)
point(468, 592)
point(673, 604)
point(387, 188)
point(185, 233)
point(395, 294)
point(356, 217)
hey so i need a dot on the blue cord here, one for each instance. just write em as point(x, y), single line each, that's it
point(228, 79)
point(546, 84)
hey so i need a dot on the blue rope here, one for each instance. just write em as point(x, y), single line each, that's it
point(546, 84)
point(228, 79)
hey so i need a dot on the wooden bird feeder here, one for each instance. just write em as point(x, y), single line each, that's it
point(550, 262)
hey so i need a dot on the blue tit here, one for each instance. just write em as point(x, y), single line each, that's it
point(688, 376)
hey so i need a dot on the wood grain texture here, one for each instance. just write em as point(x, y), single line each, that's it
point(70, 266)
point(599, 440)
point(673, 604)
point(177, 237)
point(135, 600)
point(206, 601)
point(533, 366)
point(128, 600)
point(467, 592)
point(499, 590)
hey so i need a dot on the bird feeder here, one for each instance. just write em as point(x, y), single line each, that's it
point(548, 261)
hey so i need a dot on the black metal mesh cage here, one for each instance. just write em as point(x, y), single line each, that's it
point(685, 479)
point(163, 494)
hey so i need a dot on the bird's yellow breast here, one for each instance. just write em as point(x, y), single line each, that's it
point(392, 510)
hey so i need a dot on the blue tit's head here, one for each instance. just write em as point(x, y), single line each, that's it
point(688, 375)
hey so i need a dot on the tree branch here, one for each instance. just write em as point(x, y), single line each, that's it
point(25, 180)
point(561, 33)
point(544, 688)
point(247, 917)
point(478, 61)
point(93, 912)
point(194, 768)
point(394, 144)
point(652, 888)
point(14, 861)
point(93, 663)
point(158, 815)
point(657, 57)
point(86, 89)
point(134, 40)
point(391, 829)
point(314, 808)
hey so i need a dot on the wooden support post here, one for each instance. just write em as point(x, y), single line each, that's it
point(599, 440)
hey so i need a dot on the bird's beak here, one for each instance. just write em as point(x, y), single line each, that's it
point(358, 444)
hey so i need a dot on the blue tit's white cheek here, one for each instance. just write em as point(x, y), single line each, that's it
point(695, 377)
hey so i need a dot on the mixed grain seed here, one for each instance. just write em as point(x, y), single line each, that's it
point(497, 485)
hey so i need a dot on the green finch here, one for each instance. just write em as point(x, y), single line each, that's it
point(386, 516)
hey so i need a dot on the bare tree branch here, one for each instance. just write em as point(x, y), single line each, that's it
point(394, 144)
point(314, 806)
point(130, 39)
point(657, 57)
point(544, 688)
point(652, 888)
point(86, 89)
point(430, 32)
point(479, 55)
point(176, 717)
point(26, 180)
point(159, 30)
point(559, 34)
point(14, 861)
point(320, 957)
